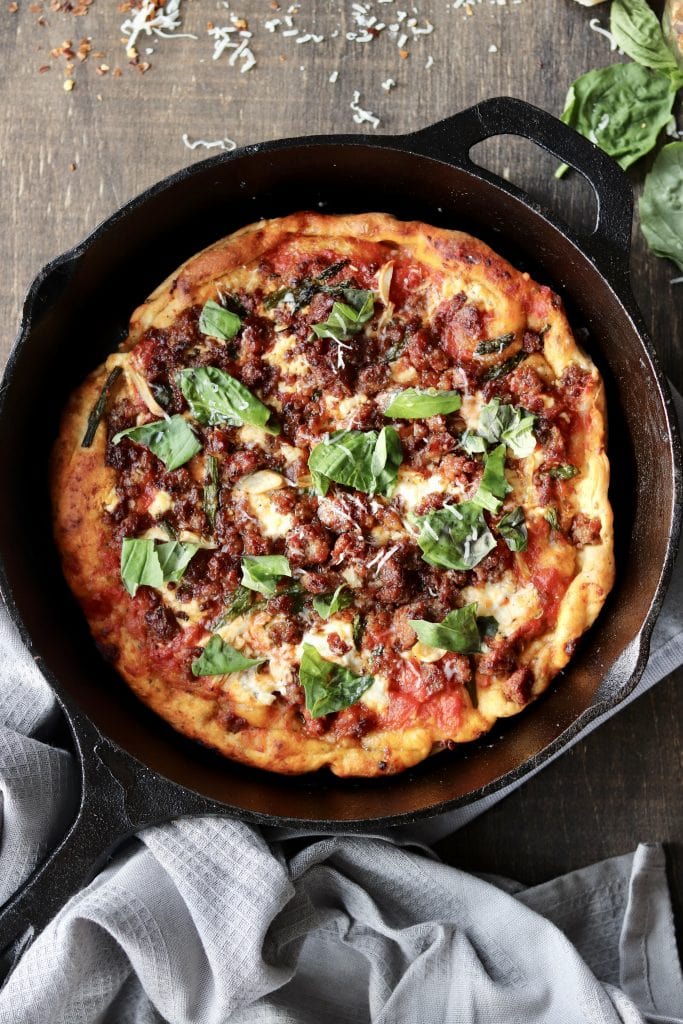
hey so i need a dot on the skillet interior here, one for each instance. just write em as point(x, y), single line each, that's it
point(81, 315)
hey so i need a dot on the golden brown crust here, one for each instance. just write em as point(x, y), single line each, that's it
point(273, 735)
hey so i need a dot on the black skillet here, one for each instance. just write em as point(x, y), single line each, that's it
point(134, 770)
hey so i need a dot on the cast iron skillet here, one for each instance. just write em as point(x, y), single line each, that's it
point(136, 771)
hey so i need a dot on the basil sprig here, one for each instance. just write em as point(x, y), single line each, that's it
point(328, 604)
point(262, 572)
point(365, 460)
point(329, 687)
point(216, 398)
point(621, 108)
point(147, 563)
point(219, 659)
point(455, 536)
point(302, 293)
point(419, 403)
point(171, 440)
point(493, 485)
point(344, 319)
point(637, 32)
point(513, 530)
point(661, 204)
point(459, 631)
point(218, 322)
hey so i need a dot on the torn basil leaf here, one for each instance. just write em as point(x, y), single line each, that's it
point(487, 626)
point(211, 489)
point(262, 572)
point(364, 460)
point(510, 424)
point(242, 600)
point(621, 108)
point(550, 515)
point(329, 687)
point(472, 443)
point(97, 410)
point(215, 398)
point(344, 319)
point(171, 440)
point(420, 403)
point(455, 536)
point(219, 659)
point(513, 530)
point(218, 322)
point(502, 369)
point(458, 632)
point(493, 485)
point(637, 32)
point(494, 345)
point(327, 604)
point(661, 204)
point(565, 471)
point(144, 562)
point(302, 293)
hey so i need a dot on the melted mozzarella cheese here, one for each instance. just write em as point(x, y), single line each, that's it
point(280, 356)
point(318, 638)
point(510, 604)
point(258, 489)
point(376, 697)
point(161, 503)
point(344, 411)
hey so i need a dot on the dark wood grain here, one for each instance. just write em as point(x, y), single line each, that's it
point(620, 786)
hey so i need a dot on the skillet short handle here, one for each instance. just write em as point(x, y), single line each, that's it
point(453, 138)
point(83, 850)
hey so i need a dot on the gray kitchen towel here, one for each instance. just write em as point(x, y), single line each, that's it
point(202, 921)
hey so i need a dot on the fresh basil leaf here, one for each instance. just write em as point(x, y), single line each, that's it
point(219, 659)
point(550, 515)
point(174, 557)
point(513, 426)
point(621, 108)
point(661, 205)
point(455, 536)
point(472, 443)
point(327, 605)
point(493, 486)
point(211, 490)
point(512, 529)
point(502, 369)
point(170, 440)
point(217, 322)
point(364, 460)
point(345, 320)
point(637, 32)
point(145, 563)
point(97, 410)
point(458, 632)
point(419, 403)
point(216, 398)
point(493, 345)
point(242, 600)
point(140, 565)
point(329, 687)
point(262, 572)
point(565, 471)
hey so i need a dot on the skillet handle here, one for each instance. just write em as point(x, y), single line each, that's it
point(119, 796)
point(453, 138)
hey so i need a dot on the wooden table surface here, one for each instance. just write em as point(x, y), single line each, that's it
point(69, 157)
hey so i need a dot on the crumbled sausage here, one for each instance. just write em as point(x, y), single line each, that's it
point(308, 545)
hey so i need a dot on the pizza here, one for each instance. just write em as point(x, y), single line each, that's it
point(340, 498)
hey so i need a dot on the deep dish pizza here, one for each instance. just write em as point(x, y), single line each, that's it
point(341, 497)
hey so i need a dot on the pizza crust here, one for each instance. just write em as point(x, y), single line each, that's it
point(272, 736)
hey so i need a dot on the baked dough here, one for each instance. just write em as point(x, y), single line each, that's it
point(446, 313)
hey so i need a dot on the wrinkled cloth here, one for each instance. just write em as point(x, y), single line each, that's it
point(203, 920)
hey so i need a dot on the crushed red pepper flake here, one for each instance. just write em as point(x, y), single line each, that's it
point(43, 68)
